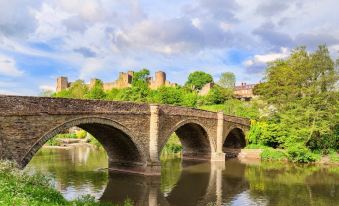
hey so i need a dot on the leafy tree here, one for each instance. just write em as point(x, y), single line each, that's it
point(139, 91)
point(77, 90)
point(168, 95)
point(198, 79)
point(227, 80)
point(97, 91)
point(217, 95)
point(303, 88)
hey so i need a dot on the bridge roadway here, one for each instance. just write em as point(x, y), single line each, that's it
point(133, 134)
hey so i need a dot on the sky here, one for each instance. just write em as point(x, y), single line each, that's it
point(82, 39)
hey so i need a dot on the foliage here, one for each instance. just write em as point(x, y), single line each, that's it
point(196, 80)
point(217, 95)
point(334, 156)
point(303, 89)
point(81, 134)
point(172, 146)
point(273, 154)
point(300, 153)
point(266, 133)
point(77, 90)
point(168, 95)
point(227, 80)
point(235, 107)
point(53, 142)
point(255, 146)
point(97, 91)
point(20, 188)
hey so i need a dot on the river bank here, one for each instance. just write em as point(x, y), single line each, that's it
point(23, 188)
point(258, 154)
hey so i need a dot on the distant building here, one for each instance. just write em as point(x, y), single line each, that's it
point(124, 80)
point(244, 91)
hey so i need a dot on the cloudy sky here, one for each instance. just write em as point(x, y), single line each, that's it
point(40, 40)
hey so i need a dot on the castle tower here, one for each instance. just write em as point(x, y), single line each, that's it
point(62, 84)
point(160, 79)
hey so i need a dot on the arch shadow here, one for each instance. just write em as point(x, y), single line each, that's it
point(119, 143)
point(194, 139)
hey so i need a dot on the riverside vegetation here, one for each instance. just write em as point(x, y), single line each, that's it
point(21, 188)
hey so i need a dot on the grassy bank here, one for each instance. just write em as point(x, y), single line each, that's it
point(20, 188)
point(297, 154)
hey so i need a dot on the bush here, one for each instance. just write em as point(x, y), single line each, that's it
point(300, 153)
point(334, 157)
point(255, 146)
point(172, 146)
point(81, 134)
point(273, 154)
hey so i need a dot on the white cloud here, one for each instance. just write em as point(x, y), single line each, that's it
point(265, 58)
point(8, 67)
point(90, 66)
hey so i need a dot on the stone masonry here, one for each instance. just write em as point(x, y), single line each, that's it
point(132, 134)
point(124, 80)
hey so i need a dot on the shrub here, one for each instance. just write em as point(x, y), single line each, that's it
point(81, 134)
point(273, 154)
point(172, 146)
point(300, 153)
point(334, 157)
point(255, 146)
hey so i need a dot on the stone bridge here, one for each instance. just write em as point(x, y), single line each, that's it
point(132, 134)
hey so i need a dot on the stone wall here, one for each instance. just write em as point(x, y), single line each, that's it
point(124, 81)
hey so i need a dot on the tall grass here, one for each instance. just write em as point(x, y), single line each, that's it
point(20, 188)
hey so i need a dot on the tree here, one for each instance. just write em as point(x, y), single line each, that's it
point(303, 89)
point(218, 95)
point(97, 91)
point(77, 90)
point(198, 79)
point(227, 80)
point(139, 91)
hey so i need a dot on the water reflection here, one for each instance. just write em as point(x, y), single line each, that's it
point(78, 171)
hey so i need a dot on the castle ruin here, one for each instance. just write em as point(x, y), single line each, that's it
point(124, 81)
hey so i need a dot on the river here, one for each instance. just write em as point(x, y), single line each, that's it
point(81, 170)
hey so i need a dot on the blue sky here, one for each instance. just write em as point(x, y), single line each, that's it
point(40, 40)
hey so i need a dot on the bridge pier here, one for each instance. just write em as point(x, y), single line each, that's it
point(218, 155)
point(153, 166)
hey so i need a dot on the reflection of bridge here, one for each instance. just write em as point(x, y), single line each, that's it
point(132, 134)
point(198, 184)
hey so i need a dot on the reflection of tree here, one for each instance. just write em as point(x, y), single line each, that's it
point(191, 182)
point(170, 174)
point(293, 185)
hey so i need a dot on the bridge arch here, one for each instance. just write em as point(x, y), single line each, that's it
point(194, 138)
point(234, 141)
point(121, 146)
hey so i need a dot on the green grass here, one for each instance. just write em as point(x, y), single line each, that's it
point(256, 146)
point(20, 188)
point(273, 154)
point(334, 157)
